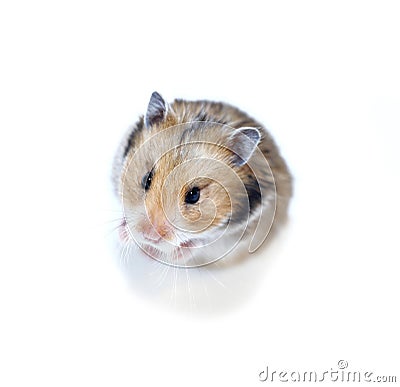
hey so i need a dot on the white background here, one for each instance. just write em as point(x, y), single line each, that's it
point(322, 76)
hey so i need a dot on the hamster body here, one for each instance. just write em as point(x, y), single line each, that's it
point(197, 178)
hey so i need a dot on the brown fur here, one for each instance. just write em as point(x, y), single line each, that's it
point(196, 131)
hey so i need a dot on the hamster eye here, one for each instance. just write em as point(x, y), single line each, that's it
point(192, 196)
point(146, 180)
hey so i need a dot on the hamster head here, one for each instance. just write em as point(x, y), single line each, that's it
point(186, 184)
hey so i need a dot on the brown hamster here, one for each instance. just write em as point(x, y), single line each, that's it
point(195, 178)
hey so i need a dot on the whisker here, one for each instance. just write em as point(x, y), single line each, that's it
point(109, 232)
point(175, 278)
point(163, 276)
point(190, 294)
point(214, 278)
point(125, 253)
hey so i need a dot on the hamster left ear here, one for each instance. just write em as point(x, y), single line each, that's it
point(156, 110)
point(243, 142)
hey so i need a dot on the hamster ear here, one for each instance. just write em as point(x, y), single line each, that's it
point(156, 111)
point(243, 142)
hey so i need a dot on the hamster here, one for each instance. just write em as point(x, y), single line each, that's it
point(196, 180)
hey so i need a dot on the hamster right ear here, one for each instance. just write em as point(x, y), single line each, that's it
point(243, 142)
point(156, 111)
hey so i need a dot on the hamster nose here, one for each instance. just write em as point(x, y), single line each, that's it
point(157, 230)
point(150, 233)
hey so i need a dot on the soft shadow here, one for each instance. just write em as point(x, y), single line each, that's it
point(214, 289)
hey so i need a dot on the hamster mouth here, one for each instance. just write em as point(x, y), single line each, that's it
point(158, 244)
point(187, 244)
point(177, 252)
point(154, 252)
point(154, 247)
